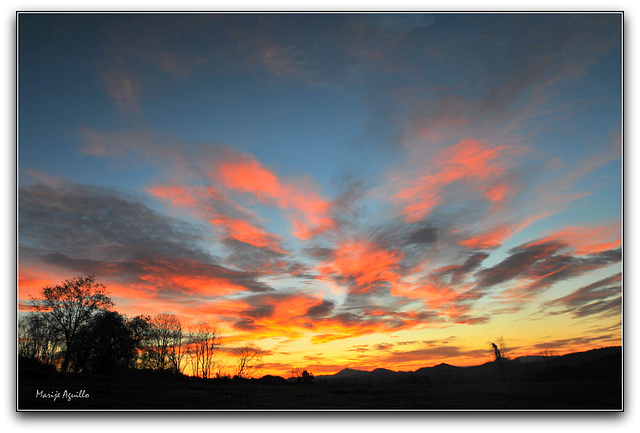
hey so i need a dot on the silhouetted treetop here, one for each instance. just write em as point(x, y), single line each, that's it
point(71, 305)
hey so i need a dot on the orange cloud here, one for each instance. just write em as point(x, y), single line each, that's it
point(201, 200)
point(327, 338)
point(248, 175)
point(294, 306)
point(190, 276)
point(275, 314)
point(311, 213)
point(586, 239)
point(479, 165)
point(179, 196)
point(470, 159)
point(497, 235)
point(443, 300)
point(242, 231)
point(32, 279)
point(364, 262)
point(489, 239)
point(334, 328)
point(497, 193)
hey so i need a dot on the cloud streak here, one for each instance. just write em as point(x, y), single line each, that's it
point(310, 212)
point(96, 230)
point(602, 296)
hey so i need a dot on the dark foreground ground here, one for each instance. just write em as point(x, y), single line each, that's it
point(123, 393)
point(557, 385)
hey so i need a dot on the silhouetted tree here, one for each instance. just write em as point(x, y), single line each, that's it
point(203, 343)
point(306, 377)
point(499, 353)
point(139, 327)
point(248, 360)
point(109, 342)
point(502, 347)
point(548, 353)
point(69, 306)
point(301, 375)
point(295, 373)
point(164, 343)
point(37, 340)
point(496, 352)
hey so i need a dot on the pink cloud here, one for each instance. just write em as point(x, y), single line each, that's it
point(211, 204)
point(586, 239)
point(479, 166)
point(363, 262)
point(310, 213)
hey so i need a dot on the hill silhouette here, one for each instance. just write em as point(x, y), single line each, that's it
point(603, 363)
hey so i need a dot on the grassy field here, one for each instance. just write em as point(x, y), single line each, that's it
point(143, 393)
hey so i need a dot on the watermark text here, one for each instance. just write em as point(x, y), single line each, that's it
point(65, 395)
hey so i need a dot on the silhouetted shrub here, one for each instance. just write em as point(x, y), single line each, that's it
point(270, 379)
point(306, 377)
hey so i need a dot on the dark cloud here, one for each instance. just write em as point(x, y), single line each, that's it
point(611, 306)
point(245, 324)
point(542, 265)
point(470, 320)
point(405, 343)
point(423, 235)
point(252, 258)
point(360, 348)
point(568, 342)
point(318, 253)
point(603, 296)
point(90, 221)
point(260, 311)
point(102, 231)
point(562, 267)
point(346, 207)
point(300, 270)
point(455, 274)
point(383, 346)
point(518, 262)
point(604, 288)
point(398, 234)
point(426, 354)
point(349, 319)
point(321, 310)
point(440, 342)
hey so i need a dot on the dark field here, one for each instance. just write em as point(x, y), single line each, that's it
point(124, 393)
point(564, 384)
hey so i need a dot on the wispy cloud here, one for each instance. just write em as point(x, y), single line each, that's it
point(362, 265)
point(537, 266)
point(224, 214)
point(310, 212)
point(96, 230)
point(602, 296)
point(226, 172)
point(430, 178)
point(135, 50)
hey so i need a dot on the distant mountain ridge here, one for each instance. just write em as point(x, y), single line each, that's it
point(592, 363)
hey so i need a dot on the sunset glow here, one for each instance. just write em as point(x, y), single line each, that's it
point(342, 190)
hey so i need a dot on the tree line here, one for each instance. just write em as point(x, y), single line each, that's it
point(73, 327)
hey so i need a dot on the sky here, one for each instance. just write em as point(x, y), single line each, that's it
point(343, 190)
